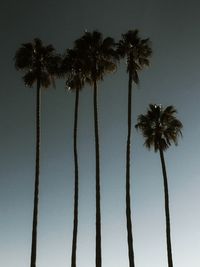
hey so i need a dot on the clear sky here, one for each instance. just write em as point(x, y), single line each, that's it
point(172, 79)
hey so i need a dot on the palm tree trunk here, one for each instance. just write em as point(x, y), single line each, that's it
point(76, 183)
point(169, 248)
point(128, 200)
point(37, 173)
point(98, 207)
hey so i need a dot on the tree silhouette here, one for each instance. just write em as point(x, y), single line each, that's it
point(137, 52)
point(160, 128)
point(99, 57)
point(39, 63)
point(74, 71)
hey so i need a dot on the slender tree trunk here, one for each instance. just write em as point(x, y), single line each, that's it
point(98, 207)
point(76, 183)
point(128, 199)
point(169, 248)
point(37, 173)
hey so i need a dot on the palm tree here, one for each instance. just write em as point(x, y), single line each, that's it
point(73, 68)
point(39, 63)
point(137, 52)
point(99, 57)
point(160, 128)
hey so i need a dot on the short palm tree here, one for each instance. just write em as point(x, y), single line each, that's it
point(73, 69)
point(160, 128)
point(137, 52)
point(99, 58)
point(39, 63)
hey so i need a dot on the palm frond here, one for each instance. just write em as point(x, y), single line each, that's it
point(29, 78)
point(24, 57)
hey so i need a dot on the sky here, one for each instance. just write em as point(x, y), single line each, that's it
point(172, 79)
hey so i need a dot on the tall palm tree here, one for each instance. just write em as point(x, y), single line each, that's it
point(160, 128)
point(137, 52)
point(99, 57)
point(39, 63)
point(73, 69)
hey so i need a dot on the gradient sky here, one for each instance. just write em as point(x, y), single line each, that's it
point(172, 79)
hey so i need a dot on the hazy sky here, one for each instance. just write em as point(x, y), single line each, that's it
point(173, 78)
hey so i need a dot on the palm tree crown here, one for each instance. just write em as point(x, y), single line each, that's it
point(136, 50)
point(159, 127)
point(73, 69)
point(98, 54)
point(38, 61)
